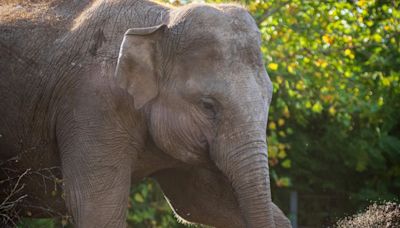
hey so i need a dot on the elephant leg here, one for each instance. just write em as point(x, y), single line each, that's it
point(204, 196)
point(96, 177)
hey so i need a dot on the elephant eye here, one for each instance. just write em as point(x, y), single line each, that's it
point(209, 106)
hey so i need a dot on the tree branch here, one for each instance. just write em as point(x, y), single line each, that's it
point(267, 13)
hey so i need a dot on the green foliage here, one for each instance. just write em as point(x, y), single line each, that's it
point(335, 68)
point(148, 208)
point(37, 223)
point(44, 223)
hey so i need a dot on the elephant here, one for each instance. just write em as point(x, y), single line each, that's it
point(97, 95)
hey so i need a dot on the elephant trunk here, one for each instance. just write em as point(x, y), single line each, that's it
point(243, 159)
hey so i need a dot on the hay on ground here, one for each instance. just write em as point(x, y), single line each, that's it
point(376, 216)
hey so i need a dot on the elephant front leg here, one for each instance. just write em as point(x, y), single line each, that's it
point(96, 184)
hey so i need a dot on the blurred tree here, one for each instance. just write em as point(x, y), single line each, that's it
point(148, 208)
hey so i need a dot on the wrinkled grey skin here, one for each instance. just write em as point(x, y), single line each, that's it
point(182, 97)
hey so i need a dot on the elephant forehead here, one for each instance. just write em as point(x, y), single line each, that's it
point(199, 24)
point(222, 51)
point(206, 15)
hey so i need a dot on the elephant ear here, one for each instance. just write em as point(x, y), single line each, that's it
point(137, 69)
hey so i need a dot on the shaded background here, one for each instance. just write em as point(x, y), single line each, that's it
point(334, 129)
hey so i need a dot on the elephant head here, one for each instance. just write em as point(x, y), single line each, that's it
point(202, 85)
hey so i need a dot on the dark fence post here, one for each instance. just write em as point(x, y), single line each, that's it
point(293, 208)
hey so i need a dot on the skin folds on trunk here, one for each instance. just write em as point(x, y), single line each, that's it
point(240, 149)
point(244, 161)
